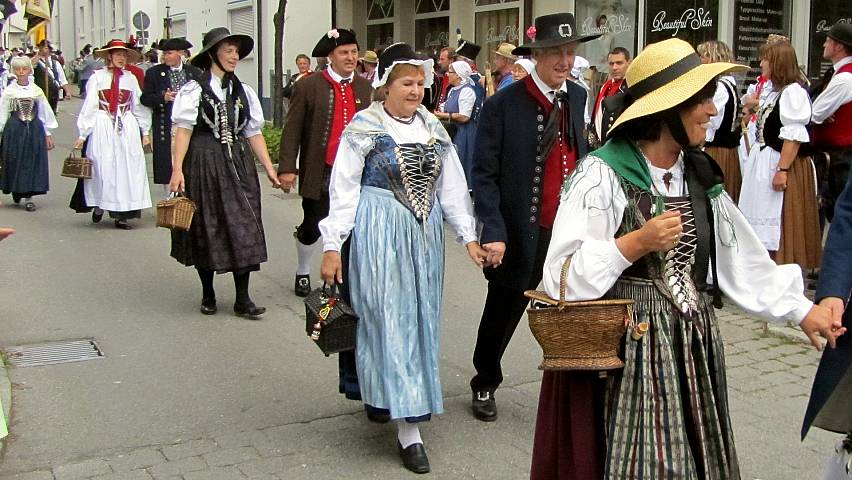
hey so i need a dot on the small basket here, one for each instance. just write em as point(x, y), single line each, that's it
point(578, 335)
point(77, 166)
point(175, 213)
point(329, 321)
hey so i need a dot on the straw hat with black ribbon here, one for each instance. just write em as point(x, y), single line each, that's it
point(663, 76)
point(207, 55)
point(115, 44)
point(399, 53)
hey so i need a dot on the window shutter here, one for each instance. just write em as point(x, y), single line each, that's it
point(242, 21)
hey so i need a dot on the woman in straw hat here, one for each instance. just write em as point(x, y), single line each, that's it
point(779, 195)
point(116, 125)
point(218, 119)
point(725, 131)
point(396, 176)
point(462, 110)
point(26, 120)
point(644, 218)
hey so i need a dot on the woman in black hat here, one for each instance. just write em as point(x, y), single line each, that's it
point(218, 119)
point(395, 178)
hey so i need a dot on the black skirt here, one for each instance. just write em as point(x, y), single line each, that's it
point(24, 151)
point(226, 234)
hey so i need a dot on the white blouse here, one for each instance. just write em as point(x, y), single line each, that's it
point(345, 187)
point(795, 105)
point(185, 108)
point(467, 100)
point(588, 218)
point(102, 80)
point(720, 101)
point(31, 90)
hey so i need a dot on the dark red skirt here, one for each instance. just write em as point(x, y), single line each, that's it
point(569, 431)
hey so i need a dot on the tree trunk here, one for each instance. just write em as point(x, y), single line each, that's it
point(278, 76)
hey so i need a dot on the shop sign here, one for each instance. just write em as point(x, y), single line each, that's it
point(690, 20)
point(754, 21)
point(615, 24)
point(509, 33)
point(824, 14)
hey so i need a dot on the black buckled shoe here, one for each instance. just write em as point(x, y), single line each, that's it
point(484, 406)
point(97, 215)
point(208, 306)
point(303, 285)
point(122, 224)
point(30, 207)
point(414, 457)
point(249, 310)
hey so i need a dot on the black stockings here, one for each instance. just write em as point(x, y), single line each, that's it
point(241, 285)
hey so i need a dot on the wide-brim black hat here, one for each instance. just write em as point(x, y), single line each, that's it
point(468, 49)
point(173, 44)
point(402, 53)
point(335, 37)
point(552, 31)
point(213, 38)
point(841, 32)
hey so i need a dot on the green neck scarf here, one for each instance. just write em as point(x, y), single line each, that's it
point(624, 157)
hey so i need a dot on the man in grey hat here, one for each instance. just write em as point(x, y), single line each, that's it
point(832, 112)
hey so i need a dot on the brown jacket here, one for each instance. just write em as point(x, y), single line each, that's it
point(307, 127)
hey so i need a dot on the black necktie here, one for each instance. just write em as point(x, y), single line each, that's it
point(560, 105)
point(344, 82)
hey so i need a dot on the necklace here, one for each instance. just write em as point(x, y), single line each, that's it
point(402, 120)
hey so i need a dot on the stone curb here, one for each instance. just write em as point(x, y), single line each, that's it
point(5, 397)
point(787, 332)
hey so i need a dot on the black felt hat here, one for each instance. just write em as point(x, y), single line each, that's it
point(841, 32)
point(335, 37)
point(214, 37)
point(552, 31)
point(468, 49)
point(174, 44)
point(401, 53)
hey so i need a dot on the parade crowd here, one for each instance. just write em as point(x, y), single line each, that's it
point(671, 184)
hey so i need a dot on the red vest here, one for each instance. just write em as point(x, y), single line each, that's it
point(344, 110)
point(836, 134)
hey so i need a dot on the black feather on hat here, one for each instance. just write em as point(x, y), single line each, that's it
point(335, 37)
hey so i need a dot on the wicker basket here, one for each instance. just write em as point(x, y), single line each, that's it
point(175, 213)
point(578, 335)
point(77, 166)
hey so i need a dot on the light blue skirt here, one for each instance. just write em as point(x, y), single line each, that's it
point(396, 274)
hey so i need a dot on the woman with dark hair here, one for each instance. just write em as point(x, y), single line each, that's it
point(218, 119)
point(396, 178)
point(779, 195)
point(646, 218)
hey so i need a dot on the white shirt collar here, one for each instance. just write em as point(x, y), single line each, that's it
point(843, 62)
point(675, 188)
point(178, 68)
point(337, 78)
point(545, 89)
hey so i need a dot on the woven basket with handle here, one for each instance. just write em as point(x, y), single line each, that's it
point(578, 335)
point(77, 166)
point(175, 213)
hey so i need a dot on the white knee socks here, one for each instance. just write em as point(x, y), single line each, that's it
point(409, 433)
point(306, 253)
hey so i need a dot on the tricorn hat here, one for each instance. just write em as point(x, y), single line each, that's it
point(335, 37)
point(552, 31)
point(173, 44)
point(214, 37)
point(841, 32)
point(115, 44)
point(468, 49)
point(398, 53)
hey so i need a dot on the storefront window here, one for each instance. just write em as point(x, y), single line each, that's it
point(431, 35)
point(824, 14)
point(695, 21)
point(379, 9)
point(754, 21)
point(379, 36)
point(616, 21)
point(494, 27)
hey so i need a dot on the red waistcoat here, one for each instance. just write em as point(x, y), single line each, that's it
point(344, 110)
point(836, 134)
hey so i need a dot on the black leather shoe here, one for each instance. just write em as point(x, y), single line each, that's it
point(122, 225)
point(378, 417)
point(249, 310)
point(30, 207)
point(208, 306)
point(484, 406)
point(303, 285)
point(97, 215)
point(414, 457)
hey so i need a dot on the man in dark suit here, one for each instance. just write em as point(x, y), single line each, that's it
point(529, 139)
point(830, 406)
point(162, 83)
point(321, 106)
point(49, 75)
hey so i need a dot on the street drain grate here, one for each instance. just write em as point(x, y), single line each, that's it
point(53, 352)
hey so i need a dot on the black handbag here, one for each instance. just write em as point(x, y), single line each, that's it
point(329, 321)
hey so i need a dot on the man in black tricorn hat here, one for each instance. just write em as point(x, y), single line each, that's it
point(162, 83)
point(321, 106)
point(529, 140)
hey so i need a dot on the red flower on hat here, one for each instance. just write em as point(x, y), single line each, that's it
point(531, 32)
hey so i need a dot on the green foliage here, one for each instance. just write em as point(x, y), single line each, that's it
point(272, 136)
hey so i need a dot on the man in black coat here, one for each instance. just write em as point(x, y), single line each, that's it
point(162, 82)
point(529, 139)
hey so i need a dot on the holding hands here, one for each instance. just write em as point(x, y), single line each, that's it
point(825, 320)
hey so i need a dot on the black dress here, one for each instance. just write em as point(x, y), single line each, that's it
point(226, 234)
point(24, 151)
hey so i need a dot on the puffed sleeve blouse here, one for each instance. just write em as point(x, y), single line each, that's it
point(345, 188)
point(185, 108)
point(795, 112)
point(590, 214)
point(31, 90)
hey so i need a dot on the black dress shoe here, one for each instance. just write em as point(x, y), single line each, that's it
point(484, 406)
point(30, 207)
point(249, 310)
point(303, 285)
point(97, 215)
point(414, 457)
point(123, 225)
point(378, 417)
point(208, 306)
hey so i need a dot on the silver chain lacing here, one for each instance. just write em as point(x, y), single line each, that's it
point(24, 107)
point(419, 167)
point(677, 268)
